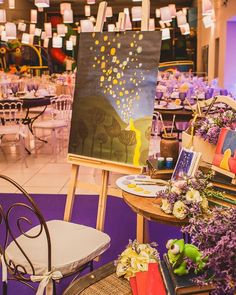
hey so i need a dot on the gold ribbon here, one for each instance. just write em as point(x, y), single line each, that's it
point(46, 281)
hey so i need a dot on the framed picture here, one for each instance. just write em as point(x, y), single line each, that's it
point(225, 155)
point(187, 164)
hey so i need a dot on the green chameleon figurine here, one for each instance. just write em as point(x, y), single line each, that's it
point(178, 251)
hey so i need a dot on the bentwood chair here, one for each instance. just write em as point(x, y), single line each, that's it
point(59, 121)
point(12, 131)
point(46, 252)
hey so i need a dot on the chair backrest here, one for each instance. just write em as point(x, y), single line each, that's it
point(15, 217)
point(11, 112)
point(62, 107)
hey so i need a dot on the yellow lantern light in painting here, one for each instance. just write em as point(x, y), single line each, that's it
point(33, 16)
point(68, 16)
point(10, 29)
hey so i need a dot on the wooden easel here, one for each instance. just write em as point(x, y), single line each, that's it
point(105, 166)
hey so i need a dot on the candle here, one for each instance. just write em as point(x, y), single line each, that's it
point(169, 162)
point(160, 162)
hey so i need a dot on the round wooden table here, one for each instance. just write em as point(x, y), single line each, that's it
point(148, 209)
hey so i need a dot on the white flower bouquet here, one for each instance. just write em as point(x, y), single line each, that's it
point(184, 198)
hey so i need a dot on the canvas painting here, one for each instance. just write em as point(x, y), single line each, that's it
point(225, 155)
point(114, 96)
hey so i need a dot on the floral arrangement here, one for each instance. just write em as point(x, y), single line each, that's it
point(215, 236)
point(188, 196)
point(209, 127)
point(135, 258)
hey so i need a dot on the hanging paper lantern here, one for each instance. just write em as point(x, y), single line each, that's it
point(48, 29)
point(111, 28)
point(87, 10)
point(185, 30)
point(181, 18)
point(22, 27)
point(91, 1)
point(165, 34)
point(128, 24)
point(109, 11)
point(151, 24)
point(43, 35)
point(64, 6)
point(4, 36)
point(25, 38)
point(32, 29)
point(62, 30)
point(11, 4)
point(37, 32)
point(68, 16)
point(69, 45)
point(185, 10)
point(57, 42)
point(2, 16)
point(165, 14)
point(46, 42)
point(42, 3)
point(136, 12)
point(172, 8)
point(33, 16)
point(207, 7)
point(73, 38)
point(158, 13)
point(207, 21)
point(10, 29)
point(2, 28)
point(162, 24)
point(86, 26)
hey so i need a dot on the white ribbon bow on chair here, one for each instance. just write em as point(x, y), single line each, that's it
point(46, 281)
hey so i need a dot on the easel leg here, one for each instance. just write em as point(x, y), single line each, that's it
point(142, 230)
point(71, 192)
point(102, 201)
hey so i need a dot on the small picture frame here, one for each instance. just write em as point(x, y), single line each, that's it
point(187, 164)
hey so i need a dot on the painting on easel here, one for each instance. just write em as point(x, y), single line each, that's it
point(114, 96)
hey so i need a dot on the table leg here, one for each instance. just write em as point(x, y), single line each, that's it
point(142, 230)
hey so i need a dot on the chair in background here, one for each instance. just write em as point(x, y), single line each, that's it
point(12, 131)
point(57, 124)
point(47, 252)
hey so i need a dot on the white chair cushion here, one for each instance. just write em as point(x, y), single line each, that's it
point(73, 245)
point(50, 124)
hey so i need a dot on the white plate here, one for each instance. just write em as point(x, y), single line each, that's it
point(149, 191)
point(170, 106)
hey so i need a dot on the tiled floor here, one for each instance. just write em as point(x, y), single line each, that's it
point(43, 173)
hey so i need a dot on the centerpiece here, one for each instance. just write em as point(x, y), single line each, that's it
point(139, 264)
